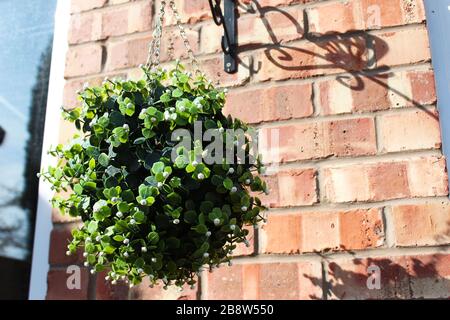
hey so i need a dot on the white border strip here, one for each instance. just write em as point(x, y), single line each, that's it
point(40, 265)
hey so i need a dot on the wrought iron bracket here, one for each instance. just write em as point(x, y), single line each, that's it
point(227, 19)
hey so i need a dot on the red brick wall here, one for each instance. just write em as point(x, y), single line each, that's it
point(362, 178)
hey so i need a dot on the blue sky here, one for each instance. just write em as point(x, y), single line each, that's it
point(26, 28)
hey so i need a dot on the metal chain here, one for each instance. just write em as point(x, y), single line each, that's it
point(184, 37)
point(154, 49)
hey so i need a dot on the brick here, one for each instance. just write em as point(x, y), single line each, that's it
point(288, 281)
point(104, 290)
point(127, 19)
point(317, 140)
point(85, 5)
point(83, 60)
point(393, 48)
point(144, 292)
point(57, 288)
point(281, 102)
point(291, 188)
point(60, 237)
point(417, 177)
point(410, 131)
point(378, 92)
point(127, 53)
point(363, 15)
point(71, 87)
point(407, 277)
point(322, 231)
point(85, 27)
point(258, 30)
point(421, 224)
point(307, 59)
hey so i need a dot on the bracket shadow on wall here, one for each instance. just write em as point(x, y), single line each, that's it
point(227, 19)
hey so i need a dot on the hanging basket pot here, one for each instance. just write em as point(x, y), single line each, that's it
point(155, 198)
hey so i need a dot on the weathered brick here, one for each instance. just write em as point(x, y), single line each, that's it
point(291, 188)
point(127, 53)
point(83, 60)
point(190, 11)
point(85, 5)
point(172, 39)
point(308, 59)
point(342, 17)
point(401, 277)
point(104, 290)
point(417, 177)
point(378, 92)
point(289, 281)
point(317, 140)
point(57, 284)
point(410, 131)
point(322, 231)
point(60, 237)
point(85, 27)
point(393, 48)
point(281, 102)
point(421, 224)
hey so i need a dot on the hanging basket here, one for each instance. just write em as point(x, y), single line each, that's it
point(151, 200)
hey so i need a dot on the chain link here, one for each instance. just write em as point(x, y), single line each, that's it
point(154, 51)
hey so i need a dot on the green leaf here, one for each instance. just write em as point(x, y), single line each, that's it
point(103, 159)
point(92, 226)
point(228, 183)
point(78, 189)
point(174, 199)
point(153, 237)
point(139, 217)
point(158, 167)
point(201, 228)
point(118, 238)
point(177, 93)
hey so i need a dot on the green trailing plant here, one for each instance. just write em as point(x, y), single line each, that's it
point(149, 205)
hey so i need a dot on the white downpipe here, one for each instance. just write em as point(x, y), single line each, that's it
point(40, 265)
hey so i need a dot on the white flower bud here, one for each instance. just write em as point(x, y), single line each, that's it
point(225, 90)
point(114, 199)
point(38, 175)
point(153, 119)
point(159, 184)
point(165, 174)
point(68, 253)
point(119, 214)
point(92, 271)
point(176, 221)
point(101, 253)
point(233, 189)
point(247, 181)
point(88, 239)
point(172, 109)
point(232, 227)
point(86, 264)
point(194, 163)
point(132, 221)
point(208, 233)
point(107, 278)
point(114, 282)
point(216, 222)
point(206, 255)
point(144, 249)
point(173, 116)
point(154, 260)
point(131, 285)
point(201, 176)
point(244, 208)
point(221, 129)
point(98, 238)
point(85, 254)
point(143, 202)
point(126, 126)
point(123, 278)
point(140, 270)
point(126, 255)
point(182, 108)
point(231, 171)
point(126, 241)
